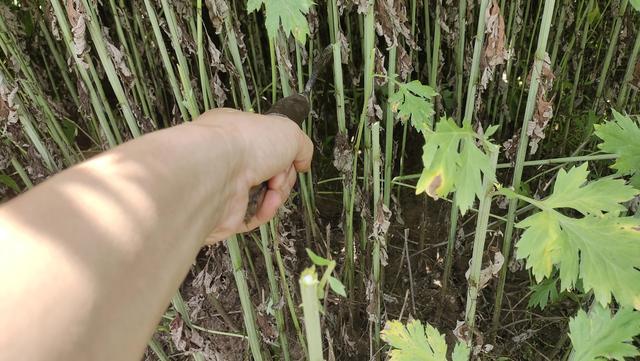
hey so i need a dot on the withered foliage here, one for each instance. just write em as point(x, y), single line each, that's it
point(544, 106)
point(494, 53)
point(391, 22)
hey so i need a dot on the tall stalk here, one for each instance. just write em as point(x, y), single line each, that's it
point(311, 307)
point(232, 44)
point(559, 29)
point(613, 41)
point(97, 104)
point(137, 84)
point(377, 195)
point(435, 54)
point(166, 61)
point(462, 27)
point(468, 115)
point(183, 67)
point(245, 298)
point(628, 75)
point(478, 246)
point(332, 9)
point(204, 77)
point(110, 70)
point(274, 290)
point(388, 144)
point(522, 150)
point(369, 60)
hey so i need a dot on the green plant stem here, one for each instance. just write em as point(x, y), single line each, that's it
point(142, 96)
point(311, 308)
point(462, 11)
point(468, 115)
point(576, 79)
point(478, 249)
point(183, 67)
point(285, 287)
point(613, 41)
point(166, 61)
point(377, 196)
point(110, 70)
point(522, 150)
point(232, 45)
point(369, 60)
point(204, 77)
point(22, 173)
point(388, 144)
point(435, 54)
point(559, 30)
point(245, 299)
point(274, 290)
point(96, 103)
point(342, 132)
point(628, 75)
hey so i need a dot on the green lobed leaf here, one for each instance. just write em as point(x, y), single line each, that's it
point(570, 191)
point(620, 137)
point(600, 336)
point(543, 293)
point(609, 257)
point(290, 14)
point(453, 161)
point(461, 352)
point(337, 286)
point(414, 101)
point(635, 4)
point(415, 342)
point(317, 260)
point(600, 248)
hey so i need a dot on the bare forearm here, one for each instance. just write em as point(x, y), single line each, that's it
point(90, 258)
point(110, 239)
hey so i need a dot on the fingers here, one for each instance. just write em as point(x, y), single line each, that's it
point(304, 156)
point(279, 189)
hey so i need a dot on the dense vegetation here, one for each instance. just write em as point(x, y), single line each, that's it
point(475, 183)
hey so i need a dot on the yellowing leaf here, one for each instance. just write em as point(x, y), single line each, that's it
point(453, 161)
point(600, 248)
point(570, 191)
point(599, 336)
point(416, 342)
point(621, 137)
point(291, 14)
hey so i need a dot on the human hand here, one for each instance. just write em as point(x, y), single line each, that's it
point(263, 148)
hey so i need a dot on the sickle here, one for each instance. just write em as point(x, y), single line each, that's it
point(295, 107)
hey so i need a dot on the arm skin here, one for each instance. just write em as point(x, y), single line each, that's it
point(90, 258)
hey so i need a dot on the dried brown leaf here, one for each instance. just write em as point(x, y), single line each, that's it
point(176, 328)
point(494, 53)
point(511, 147)
point(380, 228)
point(344, 48)
point(544, 106)
point(392, 22)
point(118, 59)
point(343, 156)
point(380, 68)
point(373, 109)
point(217, 11)
point(405, 67)
point(490, 271)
